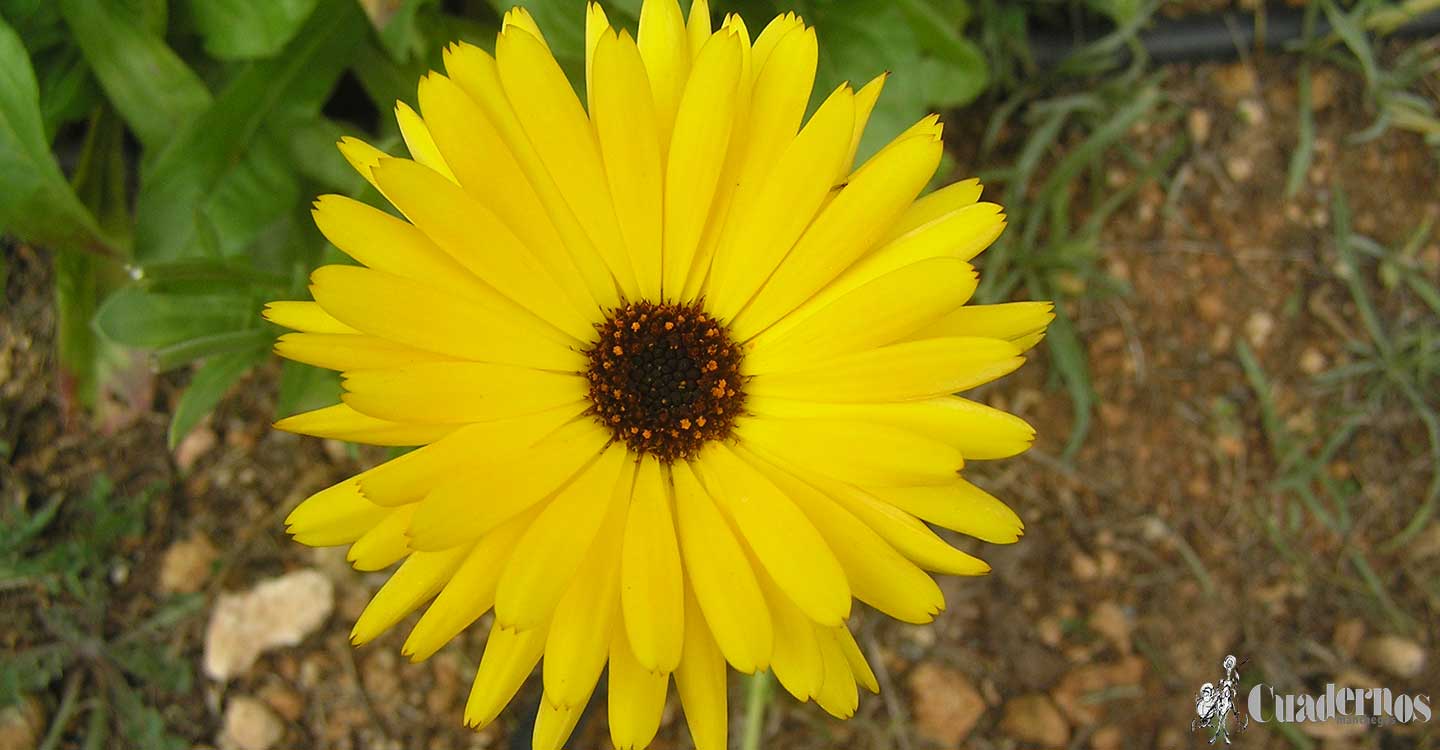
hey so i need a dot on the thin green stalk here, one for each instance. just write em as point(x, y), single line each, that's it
point(759, 687)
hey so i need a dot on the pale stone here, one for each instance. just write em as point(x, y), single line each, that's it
point(276, 613)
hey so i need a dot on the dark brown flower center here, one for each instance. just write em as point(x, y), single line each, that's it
point(665, 378)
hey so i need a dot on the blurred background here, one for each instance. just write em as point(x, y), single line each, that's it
point(1234, 204)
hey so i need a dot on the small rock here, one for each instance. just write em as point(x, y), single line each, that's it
point(1107, 738)
point(1035, 719)
point(947, 705)
point(276, 613)
point(1078, 691)
point(1401, 657)
point(195, 444)
point(1324, 84)
point(1250, 111)
point(286, 702)
point(250, 725)
point(1210, 307)
point(1084, 567)
point(1347, 637)
point(1235, 80)
point(21, 725)
point(186, 565)
point(1197, 122)
point(1312, 362)
point(1110, 621)
point(1426, 544)
point(1258, 328)
point(1239, 168)
point(1049, 630)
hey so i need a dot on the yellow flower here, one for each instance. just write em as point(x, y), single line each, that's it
point(681, 375)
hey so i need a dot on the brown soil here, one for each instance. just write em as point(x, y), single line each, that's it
point(1145, 560)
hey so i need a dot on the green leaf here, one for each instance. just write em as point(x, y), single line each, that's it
point(36, 203)
point(400, 36)
point(208, 387)
point(183, 195)
point(940, 36)
point(245, 29)
point(141, 319)
point(67, 89)
point(303, 388)
point(313, 152)
point(150, 86)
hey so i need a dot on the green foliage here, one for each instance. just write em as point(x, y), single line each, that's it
point(230, 104)
point(61, 557)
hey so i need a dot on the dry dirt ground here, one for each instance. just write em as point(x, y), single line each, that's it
point(1145, 560)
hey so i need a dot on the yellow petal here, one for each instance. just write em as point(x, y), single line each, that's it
point(624, 115)
point(362, 157)
point(837, 695)
point(958, 506)
point(552, 549)
point(784, 76)
point(858, 665)
point(700, 681)
point(1010, 321)
point(878, 575)
point(865, 100)
point(767, 218)
point(489, 171)
point(458, 392)
point(907, 535)
point(477, 73)
point(418, 141)
point(518, 17)
point(427, 318)
point(486, 491)
point(407, 478)
point(470, 592)
point(880, 312)
point(585, 620)
point(653, 590)
point(869, 454)
point(637, 698)
point(723, 582)
point(303, 316)
point(697, 26)
point(392, 245)
point(796, 662)
point(385, 544)
point(560, 131)
point(785, 542)
point(899, 372)
point(962, 234)
point(418, 579)
point(348, 351)
point(344, 423)
point(336, 515)
point(554, 724)
point(848, 226)
point(596, 26)
point(952, 197)
point(475, 236)
point(976, 430)
point(665, 47)
point(510, 656)
point(697, 154)
point(952, 238)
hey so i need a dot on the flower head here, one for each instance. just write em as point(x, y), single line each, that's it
point(681, 374)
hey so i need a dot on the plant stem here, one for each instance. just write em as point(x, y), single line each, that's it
point(759, 687)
